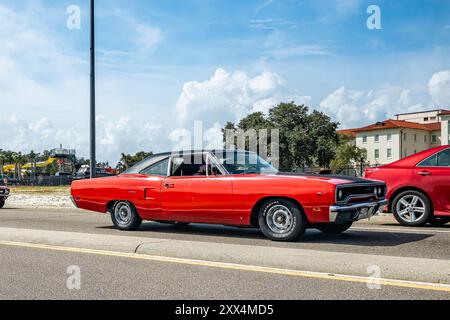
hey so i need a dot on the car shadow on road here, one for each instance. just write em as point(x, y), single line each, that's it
point(427, 227)
point(372, 238)
point(365, 238)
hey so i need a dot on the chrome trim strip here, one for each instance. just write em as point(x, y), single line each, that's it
point(357, 206)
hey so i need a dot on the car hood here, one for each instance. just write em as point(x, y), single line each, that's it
point(333, 179)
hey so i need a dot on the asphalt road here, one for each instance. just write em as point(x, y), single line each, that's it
point(38, 272)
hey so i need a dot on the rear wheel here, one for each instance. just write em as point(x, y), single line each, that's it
point(281, 220)
point(412, 208)
point(125, 216)
point(439, 221)
point(2, 203)
point(333, 228)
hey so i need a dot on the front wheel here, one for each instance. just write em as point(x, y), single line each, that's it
point(282, 220)
point(125, 216)
point(412, 208)
point(333, 228)
point(2, 204)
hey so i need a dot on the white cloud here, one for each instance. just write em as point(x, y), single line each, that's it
point(264, 4)
point(439, 88)
point(114, 136)
point(230, 97)
point(271, 24)
point(353, 108)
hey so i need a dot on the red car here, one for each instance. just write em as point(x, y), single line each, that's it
point(418, 187)
point(4, 194)
point(235, 188)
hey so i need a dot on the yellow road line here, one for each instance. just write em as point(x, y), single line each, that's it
point(240, 267)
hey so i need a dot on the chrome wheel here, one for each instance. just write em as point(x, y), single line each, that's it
point(411, 208)
point(123, 214)
point(280, 219)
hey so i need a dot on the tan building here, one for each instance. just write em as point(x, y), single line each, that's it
point(392, 140)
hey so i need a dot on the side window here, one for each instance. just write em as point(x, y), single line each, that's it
point(188, 166)
point(430, 162)
point(443, 158)
point(158, 169)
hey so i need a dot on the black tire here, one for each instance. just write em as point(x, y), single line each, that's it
point(334, 228)
point(2, 204)
point(407, 219)
point(283, 212)
point(439, 221)
point(125, 216)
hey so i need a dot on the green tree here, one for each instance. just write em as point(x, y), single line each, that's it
point(347, 155)
point(128, 160)
point(306, 139)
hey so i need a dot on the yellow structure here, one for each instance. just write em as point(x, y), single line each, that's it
point(9, 168)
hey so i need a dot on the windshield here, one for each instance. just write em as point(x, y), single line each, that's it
point(241, 162)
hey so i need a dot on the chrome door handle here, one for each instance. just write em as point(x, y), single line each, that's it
point(424, 173)
point(169, 185)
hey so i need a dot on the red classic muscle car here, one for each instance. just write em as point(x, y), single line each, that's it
point(232, 188)
point(418, 187)
point(4, 194)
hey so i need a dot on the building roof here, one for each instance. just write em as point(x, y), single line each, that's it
point(347, 133)
point(417, 112)
point(400, 124)
point(445, 113)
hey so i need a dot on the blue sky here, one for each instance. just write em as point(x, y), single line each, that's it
point(164, 64)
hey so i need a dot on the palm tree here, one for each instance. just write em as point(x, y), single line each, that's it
point(18, 159)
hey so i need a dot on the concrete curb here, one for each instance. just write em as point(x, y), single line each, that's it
point(401, 268)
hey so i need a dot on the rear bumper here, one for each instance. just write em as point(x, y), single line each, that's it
point(355, 212)
point(73, 201)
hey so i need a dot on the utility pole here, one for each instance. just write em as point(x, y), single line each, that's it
point(93, 163)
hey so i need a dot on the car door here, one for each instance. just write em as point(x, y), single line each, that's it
point(148, 187)
point(433, 175)
point(191, 197)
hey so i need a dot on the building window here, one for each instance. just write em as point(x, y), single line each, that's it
point(389, 137)
point(415, 151)
point(377, 138)
point(404, 136)
point(426, 119)
point(377, 154)
point(415, 137)
point(434, 138)
point(364, 139)
point(425, 139)
point(433, 119)
point(389, 153)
